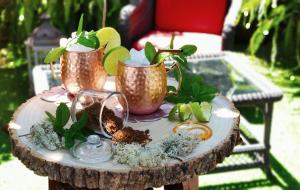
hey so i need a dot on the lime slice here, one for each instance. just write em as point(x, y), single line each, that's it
point(112, 58)
point(202, 112)
point(110, 37)
point(184, 112)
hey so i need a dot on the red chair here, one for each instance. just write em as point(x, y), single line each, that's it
point(209, 24)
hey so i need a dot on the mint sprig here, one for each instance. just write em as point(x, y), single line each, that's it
point(54, 54)
point(80, 25)
point(186, 50)
point(88, 39)
point(193, 89)
point(150, 51)
point(77, 131)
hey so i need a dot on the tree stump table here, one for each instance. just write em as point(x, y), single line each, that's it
point(66, 172)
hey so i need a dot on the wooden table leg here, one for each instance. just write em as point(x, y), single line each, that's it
point(55, 185)
point(191, 184)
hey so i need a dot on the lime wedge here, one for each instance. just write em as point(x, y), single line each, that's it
point(202, 112)
point(108, 37)
point(184, 112)
point(112, 58)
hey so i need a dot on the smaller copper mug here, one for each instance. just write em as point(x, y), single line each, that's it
point(145, 87)
point(83, 70)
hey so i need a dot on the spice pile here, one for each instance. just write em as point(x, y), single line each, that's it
point(113, 125)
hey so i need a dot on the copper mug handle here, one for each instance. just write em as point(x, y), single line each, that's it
point(175, 66)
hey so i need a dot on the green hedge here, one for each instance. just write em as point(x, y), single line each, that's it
point(19, 17)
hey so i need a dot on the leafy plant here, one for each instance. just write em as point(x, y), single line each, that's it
point(19, 17)
point(279, 19)
point(193, 89)
point(75, 132)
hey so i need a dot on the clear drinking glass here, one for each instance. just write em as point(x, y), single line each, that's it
point(96, 103)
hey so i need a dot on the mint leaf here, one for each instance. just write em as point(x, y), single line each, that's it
point(62, 118)
point(193, 89)
point(93, 37)
point(69, 139)
point(54, 54)
point(86, 42)
point(75, 131)
point(181, 61)
point(80, 137)
point(51, 117)
point(177, 99)
point(196, 89)
point(77, 126)
point(149, 51)
point(79, 29)
point(188, 50)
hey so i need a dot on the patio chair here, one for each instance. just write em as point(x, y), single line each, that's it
point(209, 24)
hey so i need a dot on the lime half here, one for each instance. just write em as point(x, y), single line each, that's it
point(108, 37)
point(112, 58)
point(202, 112)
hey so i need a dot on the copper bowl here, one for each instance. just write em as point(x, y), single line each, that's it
point(83, 70)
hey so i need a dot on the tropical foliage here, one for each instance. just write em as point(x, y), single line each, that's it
point(19, 17)
point(277, 21)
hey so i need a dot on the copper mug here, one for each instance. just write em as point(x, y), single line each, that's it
point(145, 87)
point(83, 70)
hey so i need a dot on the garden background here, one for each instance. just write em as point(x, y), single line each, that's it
point(267, 30)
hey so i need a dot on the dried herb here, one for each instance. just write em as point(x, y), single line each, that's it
point(129, 135)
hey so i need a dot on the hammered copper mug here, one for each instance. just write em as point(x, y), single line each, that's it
point(83, 70)
point(145, 87)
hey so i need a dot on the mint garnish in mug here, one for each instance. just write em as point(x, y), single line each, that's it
point(86, 39)
point(179, 55)
point(83, 41)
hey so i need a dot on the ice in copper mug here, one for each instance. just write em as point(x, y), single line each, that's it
point(145, 86)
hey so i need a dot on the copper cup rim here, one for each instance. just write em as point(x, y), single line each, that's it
point(85, 52)
point(142, 66)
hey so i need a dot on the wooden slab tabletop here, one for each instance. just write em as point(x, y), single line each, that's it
point(62, 167)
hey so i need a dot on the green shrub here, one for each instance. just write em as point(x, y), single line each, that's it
point(278, 20)
point(19, 17)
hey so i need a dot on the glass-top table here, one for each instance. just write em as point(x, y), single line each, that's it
point(232, 74)
point(234, 78)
